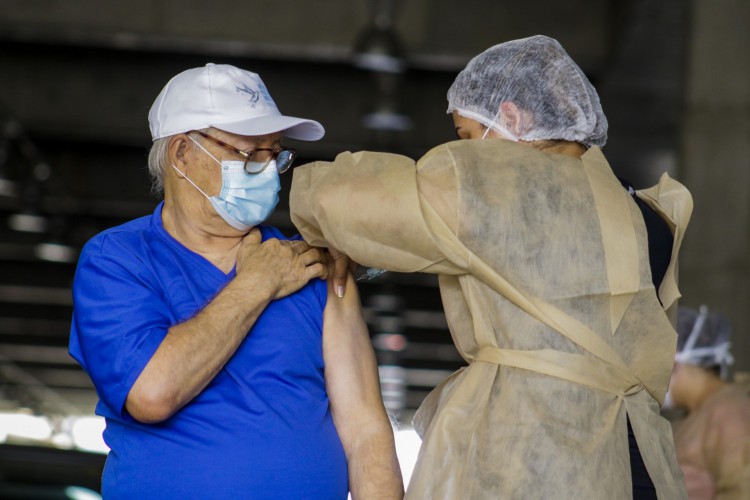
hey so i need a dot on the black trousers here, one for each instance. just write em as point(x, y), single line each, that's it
point(643, 486)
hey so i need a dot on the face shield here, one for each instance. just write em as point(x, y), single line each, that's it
point(703, 339)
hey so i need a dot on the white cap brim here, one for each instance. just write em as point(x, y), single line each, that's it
point(292, 127)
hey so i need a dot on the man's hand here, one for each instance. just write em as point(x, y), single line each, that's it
point(340, 266)
point(194, 351)
point(285, 265)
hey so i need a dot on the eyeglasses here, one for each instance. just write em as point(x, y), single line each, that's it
point(254, 163)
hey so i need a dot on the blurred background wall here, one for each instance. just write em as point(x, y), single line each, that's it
point(77, 78)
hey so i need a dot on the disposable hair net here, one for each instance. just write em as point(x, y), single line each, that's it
point(540, 78)
point(703, 338)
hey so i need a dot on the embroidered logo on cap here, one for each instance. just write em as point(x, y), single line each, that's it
point(254, 94)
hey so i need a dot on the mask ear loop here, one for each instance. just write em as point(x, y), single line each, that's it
point(204, 150)
point(486, 131)
point(184, 176)
point(504, 131)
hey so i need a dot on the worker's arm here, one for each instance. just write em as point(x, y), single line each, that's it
point(367, 206)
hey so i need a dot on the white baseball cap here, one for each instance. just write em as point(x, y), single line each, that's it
point(226, 98)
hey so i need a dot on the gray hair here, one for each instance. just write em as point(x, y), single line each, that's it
point(157, 163)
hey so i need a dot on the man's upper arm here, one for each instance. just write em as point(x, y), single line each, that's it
point(356, 405)
point(118, 323)
point(350, 366)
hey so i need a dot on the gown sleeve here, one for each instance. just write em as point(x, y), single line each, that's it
point(369, 206)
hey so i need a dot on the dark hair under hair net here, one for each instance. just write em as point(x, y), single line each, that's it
point(703, 338)
point(538, 76)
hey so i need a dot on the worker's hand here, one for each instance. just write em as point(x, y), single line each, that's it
point(339, 266)
point(284, 266)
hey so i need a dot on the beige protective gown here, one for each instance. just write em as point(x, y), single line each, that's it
point(545, 279)
point(713, 446)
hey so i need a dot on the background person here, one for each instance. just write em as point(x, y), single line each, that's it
point(225, 366)
point(552, 289)
point(713, 438)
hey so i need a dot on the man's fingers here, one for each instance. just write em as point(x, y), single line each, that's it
point(253, 237)
point(317, 270)
point(311, 256)
point(300, 247)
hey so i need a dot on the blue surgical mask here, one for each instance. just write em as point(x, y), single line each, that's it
point(245, 199)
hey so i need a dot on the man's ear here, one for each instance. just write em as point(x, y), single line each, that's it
point(512, 118)
point(177, 149)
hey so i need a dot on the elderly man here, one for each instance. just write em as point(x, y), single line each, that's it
point(225, 364)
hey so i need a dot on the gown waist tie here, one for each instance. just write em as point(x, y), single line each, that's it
point(577, 368)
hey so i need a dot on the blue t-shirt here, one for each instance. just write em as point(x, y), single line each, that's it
point(262, 428)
